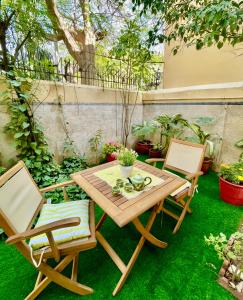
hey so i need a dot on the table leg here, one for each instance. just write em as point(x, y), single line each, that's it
point(146, 235)
point(101, 221)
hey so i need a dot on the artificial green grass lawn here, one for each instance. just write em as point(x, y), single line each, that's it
point(181, 271)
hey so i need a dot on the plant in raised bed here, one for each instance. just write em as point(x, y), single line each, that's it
point(231, 183)
point(143, 133)
point(231, 251)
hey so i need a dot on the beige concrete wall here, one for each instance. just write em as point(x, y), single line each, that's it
point(207, 66)
point(222, 103)
point(86, 109)
point(82, 112)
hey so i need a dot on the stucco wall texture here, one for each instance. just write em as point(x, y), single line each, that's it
point(84, 110)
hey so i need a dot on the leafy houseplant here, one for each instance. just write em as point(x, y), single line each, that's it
point(143, 132)
point(155, 151)
point(94, 146)
point(170, 126)
point(109, 150)
point(126, 159)
point(203, 137)
point(231, 183)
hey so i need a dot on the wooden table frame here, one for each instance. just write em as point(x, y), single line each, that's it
point(124, 211)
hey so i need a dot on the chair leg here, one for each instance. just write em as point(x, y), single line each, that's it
point(183, 202)
point(64, 281)
point(55, 276)
point(74, 276)
point(44, 283)
point(182, 216)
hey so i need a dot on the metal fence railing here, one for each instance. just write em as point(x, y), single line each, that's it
point(101, 71)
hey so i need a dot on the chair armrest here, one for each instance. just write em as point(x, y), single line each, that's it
point(68, 222)
point(154, 160)
point(56, 186)
point(194, 175)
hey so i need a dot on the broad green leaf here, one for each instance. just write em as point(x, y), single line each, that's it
point(18, 135)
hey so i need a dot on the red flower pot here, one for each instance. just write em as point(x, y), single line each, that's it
point(230, 192)
point(207, 163)
point(110, 157)
point(143, 147)
point(154, 153)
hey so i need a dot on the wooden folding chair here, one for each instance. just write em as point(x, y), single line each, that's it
point(185, 158)
point(20, 203)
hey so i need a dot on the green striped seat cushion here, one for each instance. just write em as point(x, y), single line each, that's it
point(55, 212)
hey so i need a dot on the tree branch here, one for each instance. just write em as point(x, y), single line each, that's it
point(54, 37)
point(19, 46)
point(9, 18)
point(59, 25)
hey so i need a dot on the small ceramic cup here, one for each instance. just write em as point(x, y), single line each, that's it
point(116, 190)
point(119, 183)
point(128, 187)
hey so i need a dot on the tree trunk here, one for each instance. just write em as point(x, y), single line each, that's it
point(88, 44)
point(80, 43)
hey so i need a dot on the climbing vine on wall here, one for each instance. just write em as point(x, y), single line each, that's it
point(23, 127)
point(30, 141)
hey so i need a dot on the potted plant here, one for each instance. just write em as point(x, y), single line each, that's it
point(143, 132)
point(203, 137)
point(170, 126)
point(126, 159)
point(231, 183)
point(109, 150)
point(155, 151)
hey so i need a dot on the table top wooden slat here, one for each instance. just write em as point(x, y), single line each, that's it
point(119, 208)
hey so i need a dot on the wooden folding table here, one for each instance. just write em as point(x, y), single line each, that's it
point(122, 211)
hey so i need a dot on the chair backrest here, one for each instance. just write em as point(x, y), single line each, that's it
point(20, 199)
point(184, 157)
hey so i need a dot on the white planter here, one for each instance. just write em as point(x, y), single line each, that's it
point(126, 171)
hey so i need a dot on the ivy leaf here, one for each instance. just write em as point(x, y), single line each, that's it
point(22, 108)
point(38, 151)
point(27, 133)
point(220, 45)
point(18, 135)
point(25, 125)
point(15, 83)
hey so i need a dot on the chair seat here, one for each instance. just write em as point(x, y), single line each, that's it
point(180, 190)
point(55, 212)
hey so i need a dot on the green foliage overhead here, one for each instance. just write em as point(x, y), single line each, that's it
point(134, 55)
point(22, 27)
point(198, 22)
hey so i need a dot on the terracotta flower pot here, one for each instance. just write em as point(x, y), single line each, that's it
point(230, 192)
point(207, 164)
point(143, 147)
point(110, 157)
point(154, 153)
